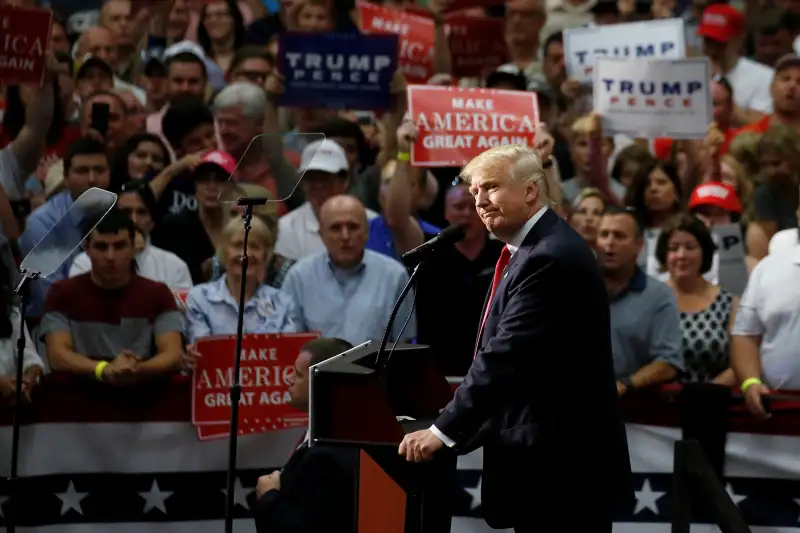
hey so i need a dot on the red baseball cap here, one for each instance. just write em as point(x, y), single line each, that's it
point(718, 194)
point(223, 160)
point(721, 22)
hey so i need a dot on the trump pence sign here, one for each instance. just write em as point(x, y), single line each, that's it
point(655, 98)
point(338, 70)
point(655, 39)
point(456, 124)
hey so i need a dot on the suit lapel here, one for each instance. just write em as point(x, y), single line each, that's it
point(542, 227)
point(296, 456)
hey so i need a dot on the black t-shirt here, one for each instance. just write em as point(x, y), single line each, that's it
point(777, 204)
point(450, 296)
point(178, 196)
point(184, 235)
point(260, 31)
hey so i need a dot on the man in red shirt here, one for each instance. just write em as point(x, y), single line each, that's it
point(785, 90)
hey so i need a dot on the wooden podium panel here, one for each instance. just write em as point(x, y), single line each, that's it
point(381, 501)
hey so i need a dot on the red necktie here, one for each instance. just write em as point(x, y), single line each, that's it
point(502, 263)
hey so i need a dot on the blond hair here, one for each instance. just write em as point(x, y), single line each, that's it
point(583, 126)
point(259, 231)
point(523, 165)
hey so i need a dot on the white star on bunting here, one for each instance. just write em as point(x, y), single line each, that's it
point(240, 494)
point(475, 494)
point(155, 498)
point(736, 498)
point(71, 499)
point(647, 498)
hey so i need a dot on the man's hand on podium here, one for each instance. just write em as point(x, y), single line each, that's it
point(420, 446)
point(269, 482)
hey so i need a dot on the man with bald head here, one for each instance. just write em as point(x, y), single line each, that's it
point(347, 291)
point(326, 174)
point(116, 18)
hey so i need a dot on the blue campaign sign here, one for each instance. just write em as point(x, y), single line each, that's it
point(338, 70)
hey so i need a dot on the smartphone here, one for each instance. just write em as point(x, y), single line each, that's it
point(21, 208)
point(100, 114)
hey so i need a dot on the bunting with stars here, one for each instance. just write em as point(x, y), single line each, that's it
point(91, 457)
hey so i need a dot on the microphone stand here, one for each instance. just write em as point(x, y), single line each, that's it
point(236, 387)
point(382, 360)
point(22, 291)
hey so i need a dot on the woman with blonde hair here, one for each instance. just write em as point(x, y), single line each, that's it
point(733, 173)
point(587, 210)
point(212, 308)
point(268, 214)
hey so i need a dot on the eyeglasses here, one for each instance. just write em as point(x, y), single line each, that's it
point(133, 186)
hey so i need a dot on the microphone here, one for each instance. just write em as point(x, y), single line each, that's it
point(449, 235)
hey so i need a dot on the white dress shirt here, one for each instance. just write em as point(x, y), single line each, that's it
point(152, 263)
point(8, 350)
point(513, 245)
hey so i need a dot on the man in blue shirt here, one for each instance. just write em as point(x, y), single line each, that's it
point(85, 165)
point(346, 291)
point(646, 335)
point(399, 229)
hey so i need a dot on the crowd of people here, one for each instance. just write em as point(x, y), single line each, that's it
point(185, 87)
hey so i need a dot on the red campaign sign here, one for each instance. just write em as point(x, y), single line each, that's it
point(455, 6)
point(415, 38)
point(477, 45)
point(456, 124)
point(267, 362)
point(24, 37)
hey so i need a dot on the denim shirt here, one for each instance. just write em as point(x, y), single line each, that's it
point(212, 310)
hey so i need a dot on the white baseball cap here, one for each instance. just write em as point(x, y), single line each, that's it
point(326, 156)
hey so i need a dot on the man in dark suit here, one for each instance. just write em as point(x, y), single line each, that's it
point(314, 493)
point(540, 395)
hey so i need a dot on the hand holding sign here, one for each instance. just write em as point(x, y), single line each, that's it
point(406, 136)
point(274, 85)
point(714, 139)
point(543, 142)
point(442, 79)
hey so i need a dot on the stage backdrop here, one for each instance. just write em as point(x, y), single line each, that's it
point(96, 461)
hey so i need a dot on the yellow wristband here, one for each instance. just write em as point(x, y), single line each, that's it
point(749, 382)
point(403, 156)
point(98, 370)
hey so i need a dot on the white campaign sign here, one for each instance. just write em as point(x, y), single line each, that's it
point(732, 267)
point(655, 39)
point(654, 98)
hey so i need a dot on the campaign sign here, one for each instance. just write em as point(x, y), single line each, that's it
point(24, 38)
point(654, 39)
point(654, 98)
point(730, 250)
point(456, 124)
point(267, 362)
point(415, 38)
point(338, 70)
point(477, 45)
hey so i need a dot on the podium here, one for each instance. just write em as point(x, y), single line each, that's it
point(368, 411)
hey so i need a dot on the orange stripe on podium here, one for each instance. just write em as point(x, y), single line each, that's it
point(381, 501)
